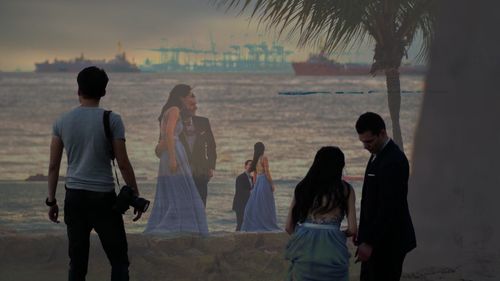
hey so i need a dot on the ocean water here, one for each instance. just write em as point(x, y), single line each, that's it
point(242, 109)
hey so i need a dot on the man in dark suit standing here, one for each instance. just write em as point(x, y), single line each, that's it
point(386, 231)
point(242, 193)
point(199, 142)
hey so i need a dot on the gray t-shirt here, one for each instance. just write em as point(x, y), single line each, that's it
point(82, 133)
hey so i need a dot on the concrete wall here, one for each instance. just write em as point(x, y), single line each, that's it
point(455, 183)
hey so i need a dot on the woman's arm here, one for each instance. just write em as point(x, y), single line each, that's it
point(352, 227)
point(265, 163)
point(172, 116)
point(289, 226)
point(254, 179)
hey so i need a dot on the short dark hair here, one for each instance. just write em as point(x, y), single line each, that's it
point(92, 82)
point(248, 161)
point(370, 121)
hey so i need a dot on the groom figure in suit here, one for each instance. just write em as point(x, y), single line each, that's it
point(199, 143)
point(242, 193)
point(386, 231)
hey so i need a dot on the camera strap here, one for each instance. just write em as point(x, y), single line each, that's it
point(109, 136)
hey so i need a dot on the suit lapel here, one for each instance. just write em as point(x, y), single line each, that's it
point(387, 147)
point(373, 162)
point(182, 138)
point(197, 127)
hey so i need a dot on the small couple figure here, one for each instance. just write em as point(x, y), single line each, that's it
point(254, 198)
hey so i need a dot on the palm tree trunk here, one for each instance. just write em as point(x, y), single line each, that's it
point(394, 103)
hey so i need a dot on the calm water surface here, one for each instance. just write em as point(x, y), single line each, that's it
point(243, 109)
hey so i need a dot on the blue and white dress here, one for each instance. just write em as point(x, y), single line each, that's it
point(260, 211)
point(177, 206)
point(318, 251)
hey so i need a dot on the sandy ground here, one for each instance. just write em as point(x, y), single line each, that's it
point(222, 256)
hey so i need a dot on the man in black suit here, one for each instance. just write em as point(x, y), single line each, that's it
point(386, 231)
point(242, 193)
point(199, 142)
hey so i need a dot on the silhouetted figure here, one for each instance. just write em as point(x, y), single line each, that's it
point(260, 211)
point(317, 249)
point(178, 206)
point(90, 188)
point(199, 142)
point(386, 231)
point(243, 186)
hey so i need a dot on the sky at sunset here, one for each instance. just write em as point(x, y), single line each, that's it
point(38, 30)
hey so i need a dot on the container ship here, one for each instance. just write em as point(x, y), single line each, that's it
point(118, 64)
point(320, 65)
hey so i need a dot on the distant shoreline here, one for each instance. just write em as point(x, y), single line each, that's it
point(44, 178)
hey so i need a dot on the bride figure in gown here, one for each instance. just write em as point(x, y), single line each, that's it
point(177, 207)
point(260, 211)
point(317, 249)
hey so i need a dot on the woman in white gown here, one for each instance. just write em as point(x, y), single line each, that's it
point(177, 207)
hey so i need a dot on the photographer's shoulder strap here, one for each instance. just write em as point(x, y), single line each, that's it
point(107, 130)
point(109, 136)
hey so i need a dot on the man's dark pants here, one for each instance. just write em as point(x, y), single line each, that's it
point(385, 265)
point(87, 210)
point(201, 183)
point(239, 218)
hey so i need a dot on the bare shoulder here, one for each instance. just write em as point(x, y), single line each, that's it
point(348, 189)
point(171, 112)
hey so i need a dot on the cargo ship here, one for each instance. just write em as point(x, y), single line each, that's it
point(118, 64)
point(320, 65)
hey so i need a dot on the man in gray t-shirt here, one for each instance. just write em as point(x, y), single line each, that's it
point(88, 150)
point(90, 190)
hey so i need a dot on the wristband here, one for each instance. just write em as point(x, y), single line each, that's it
point(50, 204)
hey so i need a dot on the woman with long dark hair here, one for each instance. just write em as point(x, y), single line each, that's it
point(178, 207)
point(317, 249)
point(260, 211)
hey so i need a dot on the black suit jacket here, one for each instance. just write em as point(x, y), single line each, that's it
point(242, 192)
point(385, 221)
point(203, 156)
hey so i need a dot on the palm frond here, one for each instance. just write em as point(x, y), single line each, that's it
point(338, 25)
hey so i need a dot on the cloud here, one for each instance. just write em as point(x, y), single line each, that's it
point(36, 30)
point(94, 27)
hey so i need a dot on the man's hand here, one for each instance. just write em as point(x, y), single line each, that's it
point(210, 173)
point(364, 252)
point(348, 233)
point(137, 214)
point(54, 213)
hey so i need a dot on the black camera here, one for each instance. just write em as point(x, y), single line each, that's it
point(127, 198)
